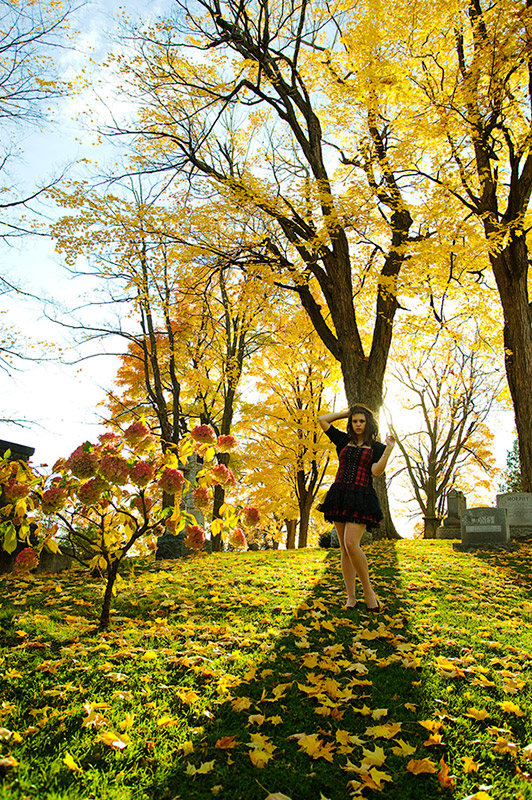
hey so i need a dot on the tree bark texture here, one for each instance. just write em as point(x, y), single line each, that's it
point(112, 572)
point(510, 268)
point(290, 533)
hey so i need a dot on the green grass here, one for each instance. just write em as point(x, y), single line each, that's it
point(215, 658)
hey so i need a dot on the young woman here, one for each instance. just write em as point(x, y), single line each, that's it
point(351, 502)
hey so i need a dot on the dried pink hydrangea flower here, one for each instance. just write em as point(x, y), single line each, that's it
point(142, 473)
point(224, 444)
point(202, 498)
point(194, 537)
point(14, 491)
point(222, 474)
point(143, 504)
point(114, 469)
point(171, 481)
point(27, 559)
point(82, 463)
point(53, 500)
point(136, 433)
point(90, 492)
point(108, 439)
point(203, 434)
point(237, 538)
point(250, 516)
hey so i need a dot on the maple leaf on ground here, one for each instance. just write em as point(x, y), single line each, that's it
point(280, 690)
point(365, 711)
point(527, 751)
point(345, 738)
point(511, 708)
point(502, 745)
point(314, 746)
point(375, 779)
point(434, 738)
point(373, 758)
point(432, 725)
point(470, 765)
point(278, 796)
point(8, 762)
point(446, 781)
point(69, 762)
point(424, 765)
point(241, 704)
point(165, 721)
point(478, 714)
point(403, 748)
point(203, 769)
point(93, 716)
point(384, 731)
point(226, 743)
point(118, 741)
point(259, 758)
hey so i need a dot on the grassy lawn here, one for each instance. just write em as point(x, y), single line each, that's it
point(241, 675)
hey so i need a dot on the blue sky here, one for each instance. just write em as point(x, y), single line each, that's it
point(60, 400)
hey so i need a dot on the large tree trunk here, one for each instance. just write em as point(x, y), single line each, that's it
point(290, 533)
point(305, 505)
point(510, 268)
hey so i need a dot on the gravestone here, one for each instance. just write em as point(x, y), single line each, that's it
point(53, 562)
point(456, 505)
point(484, 528)
point(519, 507)
point(172, 545)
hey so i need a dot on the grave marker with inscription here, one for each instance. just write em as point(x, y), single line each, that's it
point(519, 507)
point(484, 527)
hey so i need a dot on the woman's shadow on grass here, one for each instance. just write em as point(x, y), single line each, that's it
point(288, 726)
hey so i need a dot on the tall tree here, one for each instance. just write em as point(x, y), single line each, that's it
point(471, 66)
point(195, 321)
point(448, 389)
point(247, 111)
point(285, 456)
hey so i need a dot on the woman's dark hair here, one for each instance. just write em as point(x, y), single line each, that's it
point(371, 432)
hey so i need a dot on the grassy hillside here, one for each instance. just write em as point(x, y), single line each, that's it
point(241, 675)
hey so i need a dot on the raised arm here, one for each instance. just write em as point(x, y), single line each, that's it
point(326, 419)
point(379, 466)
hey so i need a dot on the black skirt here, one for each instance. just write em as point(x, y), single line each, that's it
point(345, 502)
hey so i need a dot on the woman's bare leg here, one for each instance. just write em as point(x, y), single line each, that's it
point(352, 535)
point(348, 570)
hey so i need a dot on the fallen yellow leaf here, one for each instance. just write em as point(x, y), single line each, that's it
point(71, 764)
point(118, 741)
point(425, 765)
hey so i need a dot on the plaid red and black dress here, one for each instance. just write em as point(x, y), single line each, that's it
point(352, 497)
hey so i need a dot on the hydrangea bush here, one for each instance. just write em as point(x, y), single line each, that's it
point(113, 495)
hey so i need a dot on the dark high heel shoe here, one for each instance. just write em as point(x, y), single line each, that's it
point(350, 608)
point(376, 610)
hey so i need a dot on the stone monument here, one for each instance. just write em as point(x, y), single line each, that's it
point(484, 529)
point(519, 507)
point(456, 505)
point(54, 562)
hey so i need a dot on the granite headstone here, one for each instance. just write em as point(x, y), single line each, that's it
point(456, 505)
point(484, 527)
point(519, 507)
